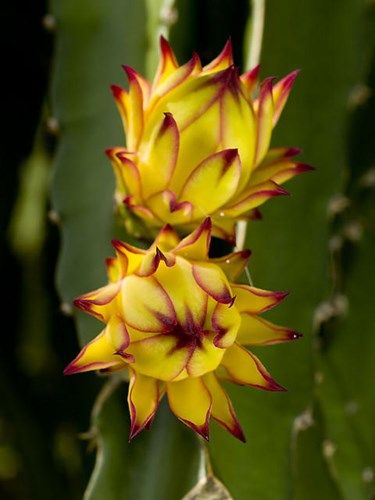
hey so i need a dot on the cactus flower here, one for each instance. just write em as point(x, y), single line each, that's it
point(198, 144)
point(178, 325)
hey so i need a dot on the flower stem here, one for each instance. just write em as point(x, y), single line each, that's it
point(254, 41)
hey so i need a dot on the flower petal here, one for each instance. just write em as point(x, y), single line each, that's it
point(222, 409)
point(225, 323)
point(196, 245)
point(281, 92)
point(189, 300)
point(221, 170)
point(213, 281)
point(265, 113)
point(244, 368)
point(249, 80)
point(158, 356)
point(254, 300)
point(129, 257)
point(167, 239)
point(96, 355)
point(222, 61)
point(143, 400)
point(233, 264)
point(158, 160)
point(144, 303)
point(99, 302)
point(190, 401)
point(205, 357)
point(126, 169)
point(152, 260)
point(279, 172)
point(258, 331)
point(165, 206)
point(167, 64)
point(135, 110)
point(253, 197)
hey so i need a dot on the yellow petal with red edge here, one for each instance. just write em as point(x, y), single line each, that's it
point(96, 355)
point(222, 61)
point(224, 227)
point(159, 356)
point(167, 239)
point(254, 300)
point(191, 401)
point(213, 281)
point(100, 302)
point(114, 271)
point(117, 169)
point(146, 305)
point(279, 172)
point(244, 368)
point(279, 154)
point(225, 323)
point(238, 126)
point(159, 156)
point(143, 83)
point(221, 170)
point(118, 336)
point(196, 245)
point(122, 102)
point(129, 257)
point(265, 113)
point(167, 63)
point(233, 264)
point(205, 357)
point(222, 409)
point(151, 262)
point(129, 173)
point(249, 81)
point(143, 400)
point(281, 93)
point(174, 79)
point(135, 111)
point(189, 300)
point(253, 197)
point(166, 207)
point(258, 331)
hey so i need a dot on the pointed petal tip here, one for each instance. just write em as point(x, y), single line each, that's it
point(238, 433)
point(293, 335)
point(304, 167)
point(117, 91)
point(130, 72)
point(71, 369)
point(272, 385)
point(292, 151)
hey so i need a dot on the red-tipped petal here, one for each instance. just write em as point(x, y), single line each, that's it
point(281, 93)
point(254, 300)
point(233, 264)
point(255, 330)
point(143, 400)
point(212, 282)
point(222, 61)
point(245, 368)
point(249, 79)
point(196, 245)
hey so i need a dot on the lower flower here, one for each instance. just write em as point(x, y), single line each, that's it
point(178, 324)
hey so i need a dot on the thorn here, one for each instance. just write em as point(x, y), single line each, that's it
point(54, 217)
point(66, 309)
point(337, 204)
point(168, 15)
point(328, 448)
point(53, 125)
point(368, 475)
point(49, 23)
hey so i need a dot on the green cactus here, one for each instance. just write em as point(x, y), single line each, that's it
point(317, 440)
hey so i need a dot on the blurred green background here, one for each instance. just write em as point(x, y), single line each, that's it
point(316, 441)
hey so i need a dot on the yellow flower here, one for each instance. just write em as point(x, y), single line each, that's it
point(197, 143)
point(177, 324)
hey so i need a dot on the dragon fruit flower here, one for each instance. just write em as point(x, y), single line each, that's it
point(178, 325)
point(198, 144)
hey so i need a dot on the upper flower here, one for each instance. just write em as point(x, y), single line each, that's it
point(177, 324)
point(197, 143)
